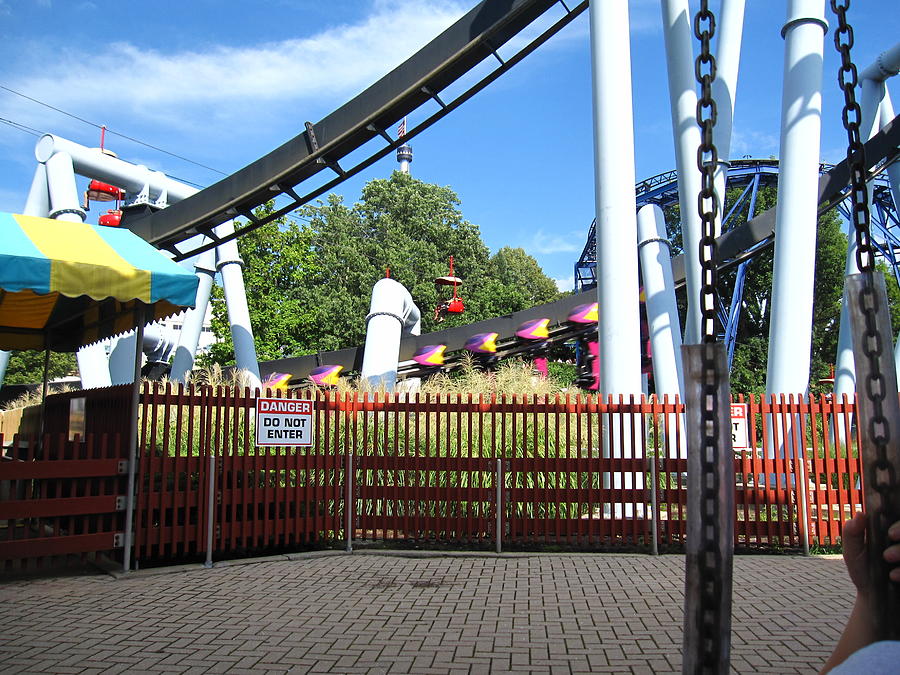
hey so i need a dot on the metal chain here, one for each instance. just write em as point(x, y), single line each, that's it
point(848, 79)
point(707, 161)
point(710, 560)
point(880, 474)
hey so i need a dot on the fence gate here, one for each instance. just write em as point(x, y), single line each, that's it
point(61, 498)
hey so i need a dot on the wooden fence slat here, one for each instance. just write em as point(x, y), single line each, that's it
point(46, 469)
point(424, 468)
point(62, 506)
point(57, 545)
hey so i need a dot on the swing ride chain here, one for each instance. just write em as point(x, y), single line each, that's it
point(881, 474)
point(710, 561)
point(848, 79)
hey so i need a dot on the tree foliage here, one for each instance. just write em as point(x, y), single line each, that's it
point(28, 367)
point(309, 286)
point(748, 371)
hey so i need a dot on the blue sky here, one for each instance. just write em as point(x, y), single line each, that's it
point(223, 82)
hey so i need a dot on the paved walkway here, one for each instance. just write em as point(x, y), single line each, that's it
point(382, 614)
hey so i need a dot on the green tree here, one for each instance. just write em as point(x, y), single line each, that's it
point(321, 274)
point(277, 264)
point(748, 371)
point(28, 367)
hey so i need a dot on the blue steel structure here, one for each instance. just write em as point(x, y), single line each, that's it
point(749, 175)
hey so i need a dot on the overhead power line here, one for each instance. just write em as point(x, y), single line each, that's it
point(111, 131)
point(22, 127)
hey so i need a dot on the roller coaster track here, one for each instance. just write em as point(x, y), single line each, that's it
point(420, 80)
point(365, 120)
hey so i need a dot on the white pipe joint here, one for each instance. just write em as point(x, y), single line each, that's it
point(392, 313)
point(886, 65)
point(63, 191)
point(798, 20)
point(95, 164)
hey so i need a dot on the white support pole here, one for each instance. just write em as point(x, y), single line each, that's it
point(795, 213)
point(230, 266)
point(662, 315)
point(392, 313)
point(133, 439)
point(876, 110)
point(36, 204)
point(844, 367)
point(156, 344)
point(92, 363)
point(678, 35)
point(729, 31)
point(893, 170)
point(64, 203)
point(662, 308)
point(183, 362)
point(38, 200)
point(617, 277)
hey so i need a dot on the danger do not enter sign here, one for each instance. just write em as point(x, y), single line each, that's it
point(281, 421)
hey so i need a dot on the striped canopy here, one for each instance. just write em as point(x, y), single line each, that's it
point(64, 285)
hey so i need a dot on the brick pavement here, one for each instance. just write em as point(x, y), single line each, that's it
point(365, 613)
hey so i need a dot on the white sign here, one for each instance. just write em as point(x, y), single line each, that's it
point(739, 436)
point(283, 421)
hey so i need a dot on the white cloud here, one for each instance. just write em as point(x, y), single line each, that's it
point(188, 88)
point(758, 144)
point(566, 284)
point(544, 244)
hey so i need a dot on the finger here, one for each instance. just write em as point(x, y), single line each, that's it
point(892, 553)
point(894, 531)
point(853, 536)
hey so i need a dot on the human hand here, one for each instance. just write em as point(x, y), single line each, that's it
point(892, 552)
point(854, 540)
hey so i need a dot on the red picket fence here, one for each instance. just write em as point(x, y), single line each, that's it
point(574, 471)
point(263, 498)
point(476, 471)
point(60, 499)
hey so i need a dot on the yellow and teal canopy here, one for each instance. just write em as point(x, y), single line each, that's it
point(64, 285)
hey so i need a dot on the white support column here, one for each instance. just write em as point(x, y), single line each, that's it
point(38, 201)
point(93, 163)
point(795, 214)
point(392, 313)
point(876, 110)
point(844, 366)
point(730, 32)
point(616, 232)
point(230, 266)
point(678, 35)
point(36, 204)
point(893, 171)
point(64, 203)
point(662, 308)
point(183, 362)
point(617, 278)
point(662, 314)
point(92, 361)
